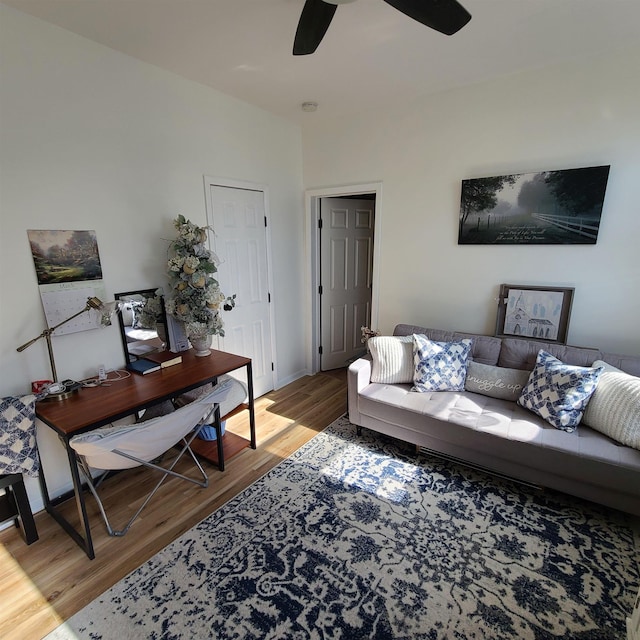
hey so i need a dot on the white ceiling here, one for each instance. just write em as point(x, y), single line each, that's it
point(372, 55)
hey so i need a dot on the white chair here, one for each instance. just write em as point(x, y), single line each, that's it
point(112, 448)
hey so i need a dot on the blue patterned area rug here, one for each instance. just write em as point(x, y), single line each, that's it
point(358, 537)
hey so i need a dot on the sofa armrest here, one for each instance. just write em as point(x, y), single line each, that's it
point(358, 377)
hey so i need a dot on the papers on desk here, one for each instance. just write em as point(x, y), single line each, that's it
point(143, 366)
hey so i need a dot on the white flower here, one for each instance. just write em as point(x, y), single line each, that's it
point(175, 263)
point(190, 265)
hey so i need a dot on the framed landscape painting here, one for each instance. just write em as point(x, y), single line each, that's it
point(65, 256)
point(541, 313)
point(548, 207)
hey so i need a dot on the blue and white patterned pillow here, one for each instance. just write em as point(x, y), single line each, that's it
point(559, 392)
point(439, 366)
point(18, 452)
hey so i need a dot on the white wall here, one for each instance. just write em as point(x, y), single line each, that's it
point(93, 139)
point(580, 114)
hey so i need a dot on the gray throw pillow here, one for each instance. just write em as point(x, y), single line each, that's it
point(495, 382)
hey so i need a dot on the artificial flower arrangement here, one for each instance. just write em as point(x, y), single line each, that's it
point(195, 297)
point(367, 334)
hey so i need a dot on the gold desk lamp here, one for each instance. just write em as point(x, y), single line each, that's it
point(106, 309)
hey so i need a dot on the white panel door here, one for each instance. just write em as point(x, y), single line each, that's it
point(346, 262)
point(238, 219)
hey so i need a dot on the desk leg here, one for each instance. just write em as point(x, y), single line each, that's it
point(43, 484)
point(252, 414)
point(85, 543)
point(219, 443)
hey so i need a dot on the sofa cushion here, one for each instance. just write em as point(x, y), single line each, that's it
point(433, 334)
point(495, 382)
point(627, 364)
point(439, 366)
point(490, 425)
point(392, 359)
point(614, 408)
point(559, 392)
point(518, 353)
point(485, 349)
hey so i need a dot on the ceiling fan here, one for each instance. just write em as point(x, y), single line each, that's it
point(445, 16)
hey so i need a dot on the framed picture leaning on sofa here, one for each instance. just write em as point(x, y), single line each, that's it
point(535, 312)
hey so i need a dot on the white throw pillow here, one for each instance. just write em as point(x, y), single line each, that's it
point(614, 408)
point(392, 359)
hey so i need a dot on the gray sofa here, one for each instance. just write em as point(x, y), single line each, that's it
point(499, 435)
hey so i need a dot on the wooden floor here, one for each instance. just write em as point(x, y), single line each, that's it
point(45, 583)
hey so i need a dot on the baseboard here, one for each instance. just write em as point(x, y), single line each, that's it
point(283, 382)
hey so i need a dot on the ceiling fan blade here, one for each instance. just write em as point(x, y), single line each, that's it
point(445, 16)
point(314, 21)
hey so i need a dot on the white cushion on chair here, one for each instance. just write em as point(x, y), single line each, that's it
point(228, 393)
point(150, 439)
point(145, 440)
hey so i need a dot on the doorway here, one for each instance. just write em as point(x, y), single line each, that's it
point(344, 239)
point(346, 261)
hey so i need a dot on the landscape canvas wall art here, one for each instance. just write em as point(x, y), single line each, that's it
point(548, 207)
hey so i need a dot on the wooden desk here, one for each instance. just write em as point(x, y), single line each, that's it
point(95, 407)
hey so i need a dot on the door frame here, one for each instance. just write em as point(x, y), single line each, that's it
point(213, 181)
point(312, 208)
